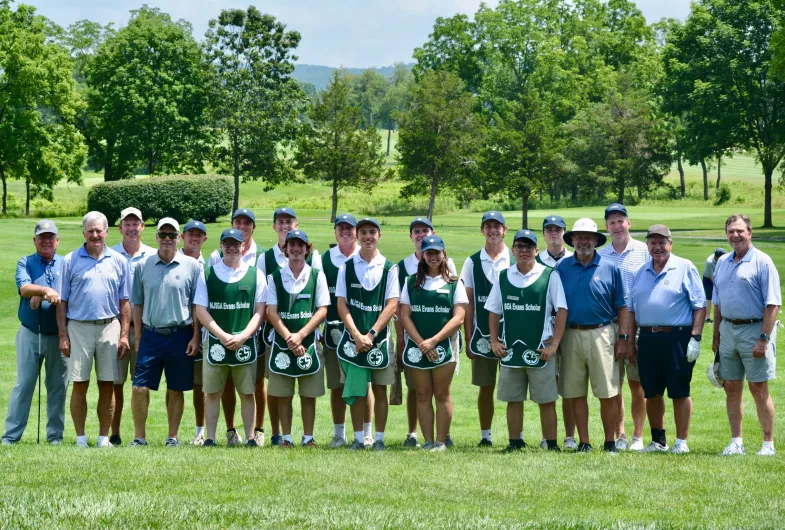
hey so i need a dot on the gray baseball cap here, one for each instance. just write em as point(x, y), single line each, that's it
point(45, 226)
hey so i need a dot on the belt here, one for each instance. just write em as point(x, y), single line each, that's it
point(742, 321)
point(99, 322)
point(664, 329)
point(165, 331)
point(590, 326)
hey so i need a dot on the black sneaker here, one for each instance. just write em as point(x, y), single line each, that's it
point(115, 440)
point(448, 442)
point(584, 447)
point(515, 446)
point(210, 443)
point(251, 443)
point(555, 448)
point(484, 443)
point(276, 439)
point(610, 447)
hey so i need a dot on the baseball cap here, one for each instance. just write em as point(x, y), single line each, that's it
point(433, 242)
point(525, 234)
point(244, 212)
point(131, 211)
point(45, 226)
point(616, 208)
point(297, 234)
point(420, 221)
point(198, 225)
point(658, 230)
point(231, 233)
point(369, 221)
point(168, 221)
point(493, 215)
point(345, 218)
point(554, 220)
point(719, 251)
point(284, 211)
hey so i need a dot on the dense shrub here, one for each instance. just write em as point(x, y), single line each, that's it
point(723, 195)
point(183, 197)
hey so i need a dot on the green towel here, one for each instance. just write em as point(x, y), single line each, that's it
point(356, 382)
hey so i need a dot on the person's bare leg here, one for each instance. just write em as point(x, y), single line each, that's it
point(765, 407)
point(734, 403)
point(212, 408)
point(118, 403)
point(682, 412)
point(139, 410)
point(580, 411)
point(229, 403)
point(442, 381)
point(485, 406)
point(198, 401)
point(174, 411)
point(78, 405)
point(638, 406)
point(104, 406)
point(548, 421)
point(369, 405)
point(272, 409)
point(411, 409)
point(358, 413)
point(609, 412)
point(655, 408)
point(285, 412)
point(337, 406)
point(260, 397)
point(618, 428)
point(308, 413)
point(380, 406)
point(424, 396)
point(568, 418)
point(514, 419)
point(248, 413)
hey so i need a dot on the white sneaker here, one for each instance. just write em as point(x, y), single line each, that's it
point(258, 437)
point(569, 443)
point(680, 449)
point(80, 443)
point(233, 439)
point(56, 441)
point(198, 440)
point(543, 444)
point(621, 444)
point(438, 447)
point(337, 442)
point(655, 447)
point(767, 450)
point(104, 444)
point(637, 444)
point(733, 449)
point(368, 442)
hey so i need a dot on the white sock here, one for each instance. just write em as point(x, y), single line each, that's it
point(679, 441)
point(307, 438)
point(521, 435)
point(358, 436)
point(767, 444)
point(737, 441)
point(339, 430)
point(81, 439)
point(99, 440)
point(486, 434)
point(287, 438)
point(379, 437)
point(367, 429)
point(413, 435)
point(199, 430)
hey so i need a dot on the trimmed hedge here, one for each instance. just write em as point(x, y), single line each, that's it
point(183, 197)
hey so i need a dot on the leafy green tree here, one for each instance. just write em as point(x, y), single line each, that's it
point(335, 148)
point(257, 103)
point(38, 140)
point(370, 88)
point(437, 144)
point(395, 99)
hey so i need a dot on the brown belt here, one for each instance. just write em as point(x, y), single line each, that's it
point(742, 321)
point(663, 329)
point(590, 326)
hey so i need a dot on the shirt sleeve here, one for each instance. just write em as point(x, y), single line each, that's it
point(715, 292)
point(340, 282)
point(556, 296)
point(22, 276)
point(770, 279)
point(618, 295)
point(197, 268)
point(272, 294)
point(322, 291)
point(460, 296)
point(215, 257)
point(201, 291)
point(137, 289)
point(494, 301)
point(125, 277)
point(467, 273)
point(316, 261)
point(451, 266)
point(631, 298)
point(261, 288)
point(393, 289)
point(64, 284)
point(404, 299)
point(693, 284)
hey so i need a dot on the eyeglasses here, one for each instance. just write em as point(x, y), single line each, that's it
point(524, 248)
point(169, 235)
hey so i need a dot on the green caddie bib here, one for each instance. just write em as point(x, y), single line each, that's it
point(480, 341)
point(430, 312)
point(524, 313)
point(333, 327)
point(295, 310)
point(232, 307)
point(270, 267)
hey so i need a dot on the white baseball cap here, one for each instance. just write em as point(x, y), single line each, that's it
point(169, 221)
point(131, 211)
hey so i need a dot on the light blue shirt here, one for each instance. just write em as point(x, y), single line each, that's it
point(743, 290)
point(166, 290)
point(33, 269)
point(594, 292)
point(629, 261)
point(668, 298)
point(144, 251)
point(93, 287)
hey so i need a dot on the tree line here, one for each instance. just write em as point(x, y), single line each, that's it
point(572, 99)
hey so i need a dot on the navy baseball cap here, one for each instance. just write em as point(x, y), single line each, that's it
point(554, 220)
point(433, 242)
point(245, 212)
point(525, 234)
point(45, 226)
point(420, 221)
point(194, 224)
point(284, 211)
point(493, 215)
point(616, 208)
point(369, 221)
point(231, 233)
point(719, 251)
point(297, 234)
point(345, 218)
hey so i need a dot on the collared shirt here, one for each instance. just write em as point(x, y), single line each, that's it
point(743, 290)
point(166, 290)
point(34, 270)
point(282, 260)
point(490, 267)
point(370, 275)
point(144, 251)
point(296, 285)
point(551, 261)
point(629, 261)
point(668, 298)
point(708, 268)
point(411, 263)
point(249, 258)
point(229, 275)
point(337, 258)
point(594, 291)
point(555, 298)
point(93, 287)
point(431, 284)
point(200, 259)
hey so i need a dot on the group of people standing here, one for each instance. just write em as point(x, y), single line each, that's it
point(536, 323)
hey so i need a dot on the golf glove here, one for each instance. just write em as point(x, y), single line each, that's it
point(693, 350)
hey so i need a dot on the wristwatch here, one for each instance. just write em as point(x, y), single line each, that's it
point(765, 337)
point(697, 337)
point(626, 336)
point(372, 332)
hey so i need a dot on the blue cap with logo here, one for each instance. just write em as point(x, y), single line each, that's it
point(493, 215)
point(433, 242)
point(45, 226)
point(525, 234)
point(420, 221)
point(231, 233)
point(345, 218)
point(369, 221)
point(244, 212)
point(193, 224)
point(284, 211)
point(616, 208)
point(297, 234)
point(554, 220)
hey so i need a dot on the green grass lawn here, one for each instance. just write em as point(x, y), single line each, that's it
point(43, 486)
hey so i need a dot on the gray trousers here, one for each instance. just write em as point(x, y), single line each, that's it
point(56, 380)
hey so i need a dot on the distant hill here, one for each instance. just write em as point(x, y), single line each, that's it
point(319, 76)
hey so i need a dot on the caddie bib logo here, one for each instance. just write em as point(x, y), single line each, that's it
point(304, 362)
point(531, 357)
point(442, 353)
point(335, 335)
point(483, 345)
point(414, 355)
point(375, 357)
point(217, 352)
point(350, 350)
point(244, 354)
point(282, 361)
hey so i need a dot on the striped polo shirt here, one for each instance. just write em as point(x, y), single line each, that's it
point(629, 261)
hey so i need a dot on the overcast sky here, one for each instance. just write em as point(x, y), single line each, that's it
point(350, 33)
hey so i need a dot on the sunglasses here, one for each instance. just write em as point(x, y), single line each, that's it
point(524, 248)
point(168, 235)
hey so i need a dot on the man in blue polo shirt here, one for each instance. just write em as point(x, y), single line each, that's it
point(746, 298)
point(667, 304)
point(36, 340)
point(592, 343)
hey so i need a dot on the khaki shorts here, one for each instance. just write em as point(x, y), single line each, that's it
point(540, 383)
point(129, 361)
point(310, 386)
point(736, 360)
point(332, 369)
point(588, 355)
point(484, 371)
point(261, 361)
point(198, 376)
point(214, 377)
point(93, 341)
point(632, 371)
point(385, 376)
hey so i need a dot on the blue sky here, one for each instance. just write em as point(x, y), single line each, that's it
point(350, 33)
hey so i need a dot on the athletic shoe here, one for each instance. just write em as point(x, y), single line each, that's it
point(258, 437)
point(610, 448)
point(680, 449)
point(310, 443)
point(709, 321)
point(411, 442)
point(621, 444)
point(233, 439)
point(448, 442)
point(368, 442)
point(210, 443)
point(137, 442)
point(251, 443)
point(569, 443)
point(485, 443)
point(584, 448)
point(116, 440)
point(56, 441)
point(427, 446)
point(104, 444)
point(357, 446)
point(378, 445)
point(172, 442)
point(276, 439)
point(7, 442)
point(337, 442)
point(543, 444)
point(767, 450)
point(637, 444)
point(286, 444)
point(438, 447)
point(656, 447)
point(733, 449)
point(198, 440)
point(555, 448)
point(515, 446)
point(81, 444)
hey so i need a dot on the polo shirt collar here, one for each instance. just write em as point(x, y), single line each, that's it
point(336, 252)
point(538, 268)
point(287, 271)
point(594, 262)
point(558, 256)
point(83, 251)
point(378, 260)
point(669, 265)
point(484, 256)
point(40, 258)
point(628, 248)
point(278, 253)
point(242, 268)
point(747, 256)
point(178, 256)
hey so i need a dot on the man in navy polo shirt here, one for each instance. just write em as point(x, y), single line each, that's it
point(592, 343)
point(36, 340)
point(667, 304)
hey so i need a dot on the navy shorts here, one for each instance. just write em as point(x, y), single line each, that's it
point(708, 287)
point(662, 363)
point(165, 353)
